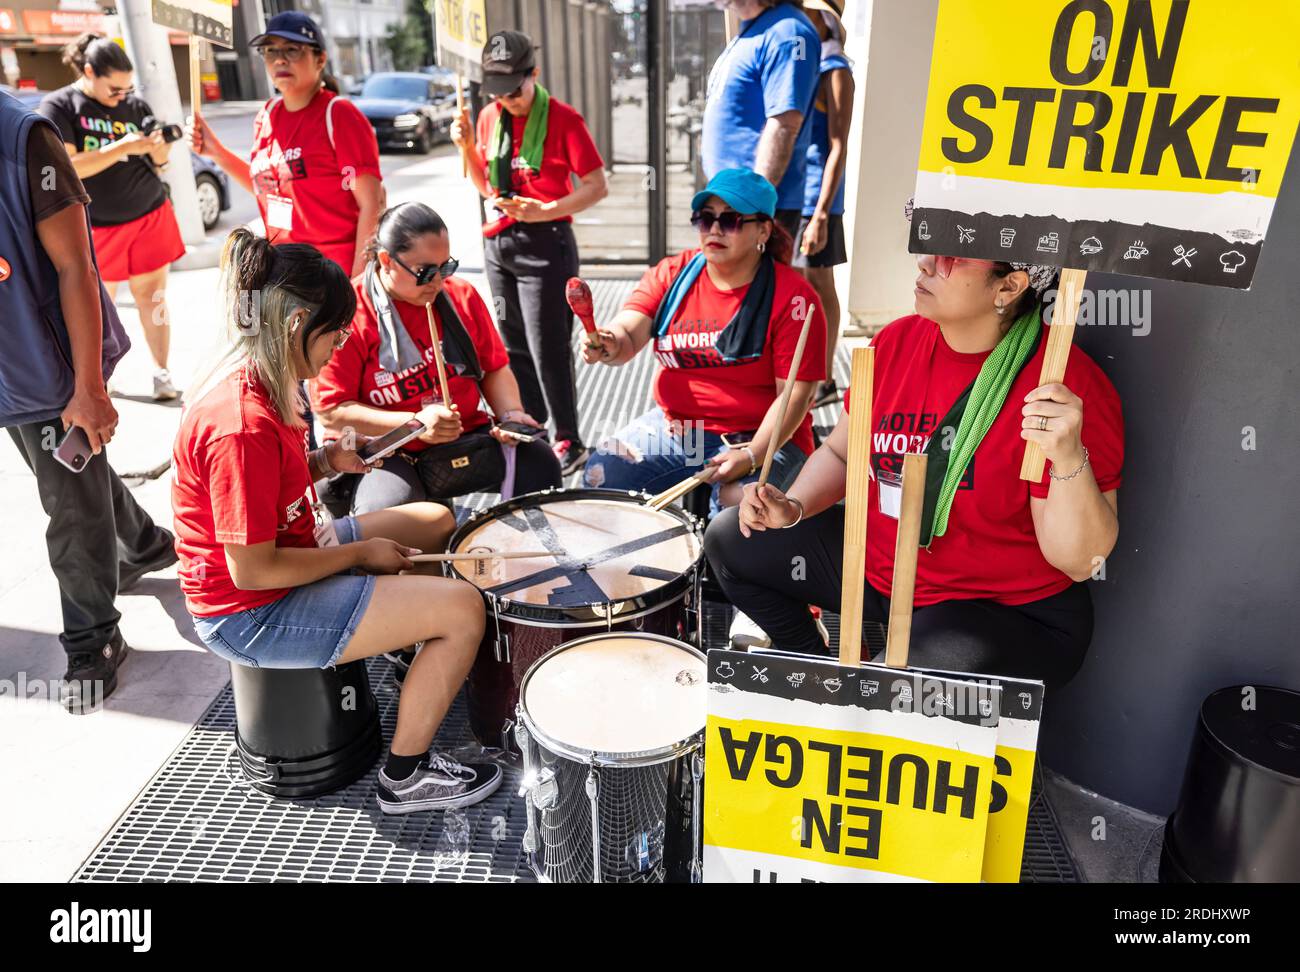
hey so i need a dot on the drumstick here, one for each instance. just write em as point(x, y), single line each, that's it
point(489, 555)
point(777, 442)
point(578, 294)
point(437, 357)
point(678, 490)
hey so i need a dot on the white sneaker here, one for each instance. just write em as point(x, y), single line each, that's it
point(163, 389)
point(745, 634)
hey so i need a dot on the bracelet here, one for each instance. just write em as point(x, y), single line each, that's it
point(753, 463)
point(798, 503)
point(1060, 479)
point(322, 464)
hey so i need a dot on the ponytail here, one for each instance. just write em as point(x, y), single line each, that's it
point(266, 286)
point(102, 54)
point(780, 245)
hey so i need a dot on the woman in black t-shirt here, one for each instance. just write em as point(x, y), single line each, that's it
point(104, 127)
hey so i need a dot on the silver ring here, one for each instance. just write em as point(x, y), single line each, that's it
point(1042, 423)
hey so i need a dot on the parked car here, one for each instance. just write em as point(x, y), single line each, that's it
point(213, 187)
point(408, 109)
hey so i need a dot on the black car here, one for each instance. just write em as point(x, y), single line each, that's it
point(408, 109)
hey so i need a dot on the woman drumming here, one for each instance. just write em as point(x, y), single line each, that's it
point(314, 166)
point(725, 320)
point(270, 580)
point(386, 374)
point(999, 583)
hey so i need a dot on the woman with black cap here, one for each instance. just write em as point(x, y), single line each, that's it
point(528, 148)
point(314, 166)
point(999, 583)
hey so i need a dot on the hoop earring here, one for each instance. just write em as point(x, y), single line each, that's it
point(1000, 308)
point(762, 246)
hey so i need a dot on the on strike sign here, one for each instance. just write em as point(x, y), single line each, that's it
point(821, 772)
point(1145, 137)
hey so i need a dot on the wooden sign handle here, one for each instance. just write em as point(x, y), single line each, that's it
point(438, 359)
point(196, 89)
point(1060, 335)
point(906, 549)
point(855, 506)
point(460, 107)
point(777, 439)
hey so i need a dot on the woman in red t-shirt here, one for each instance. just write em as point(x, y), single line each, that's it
point(999, 583)
point(314, 165)
point(529, 150)
point(386, 374)
point(269, 578)
point(725, 320)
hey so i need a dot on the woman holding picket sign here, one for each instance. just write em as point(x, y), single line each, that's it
point(529, 148)
point(999, 584)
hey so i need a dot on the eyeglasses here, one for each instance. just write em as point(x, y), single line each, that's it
point(115, 92)
point(942, 265)
point(293, 53)
point(341, 337)
point(425, 275)
point(517, 93)
point(728, 221)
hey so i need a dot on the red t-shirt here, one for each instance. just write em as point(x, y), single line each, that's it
point(312, 158)
point(568, 150)
point(990, 549)
point(353, 374)
point(240, 476)
point(694, 383)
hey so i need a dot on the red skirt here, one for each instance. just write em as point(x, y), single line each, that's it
point(140, 246)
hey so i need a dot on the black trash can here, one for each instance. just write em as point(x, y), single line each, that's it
point(305, 731)
point(1238, 816)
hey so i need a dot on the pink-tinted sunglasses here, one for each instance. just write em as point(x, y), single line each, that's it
point(943, 264)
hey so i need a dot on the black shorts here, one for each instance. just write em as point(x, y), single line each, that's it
point(832, 254)
point(789, 220)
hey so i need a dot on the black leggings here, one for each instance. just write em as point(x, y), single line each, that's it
point(772, 576)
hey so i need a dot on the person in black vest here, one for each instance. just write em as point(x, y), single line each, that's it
point(62, 342)
point(118, 152)
point(385, 375)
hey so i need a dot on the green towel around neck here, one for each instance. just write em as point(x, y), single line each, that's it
point(973, 414)
point(534, 138)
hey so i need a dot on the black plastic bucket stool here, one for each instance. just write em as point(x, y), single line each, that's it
point(305, 731)
point(1238, 816)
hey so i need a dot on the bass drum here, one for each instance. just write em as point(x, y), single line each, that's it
point(611, 728)
point(614, 565)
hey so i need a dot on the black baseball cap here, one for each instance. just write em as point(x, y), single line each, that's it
point(292, 25)
point(507, 62)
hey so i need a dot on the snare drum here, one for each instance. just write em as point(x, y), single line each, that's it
point(611, 728)
point(615, 566)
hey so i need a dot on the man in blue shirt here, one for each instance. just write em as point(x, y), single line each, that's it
point(760, 91)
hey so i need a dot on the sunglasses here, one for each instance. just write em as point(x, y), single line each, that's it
point(115, 92)
point(943, 265)
point(293, 53)
point(425, 275)
point(729, 221)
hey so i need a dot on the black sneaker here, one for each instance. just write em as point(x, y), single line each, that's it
point(827, 394)
point(439, 783)
point(401, 662)
point(128, 577)
point(572, 456)
point(92, 676)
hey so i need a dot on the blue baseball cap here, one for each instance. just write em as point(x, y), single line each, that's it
point(292, 25)
point(744, 190)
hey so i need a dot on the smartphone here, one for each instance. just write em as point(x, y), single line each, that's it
point(506, 194)
point(389, 443)
point(520, 432)
point(734, 440)
point(74, 449)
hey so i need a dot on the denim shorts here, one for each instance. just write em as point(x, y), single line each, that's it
point(307, 628)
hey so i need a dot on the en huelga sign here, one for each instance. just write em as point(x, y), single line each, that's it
point(211, 20)
point(1144, 137)
point(461, 31)
point(823, 772)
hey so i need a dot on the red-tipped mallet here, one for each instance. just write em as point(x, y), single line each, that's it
point(578, 294)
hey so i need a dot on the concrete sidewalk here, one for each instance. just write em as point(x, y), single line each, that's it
point(64, 780)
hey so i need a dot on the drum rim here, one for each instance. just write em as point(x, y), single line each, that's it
point(506, 607)
point(600, 757)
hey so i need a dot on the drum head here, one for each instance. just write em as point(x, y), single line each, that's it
point(618, 693)
point(602, 550)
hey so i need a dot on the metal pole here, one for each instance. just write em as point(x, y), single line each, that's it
point(155, 80)
point(656, 103)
